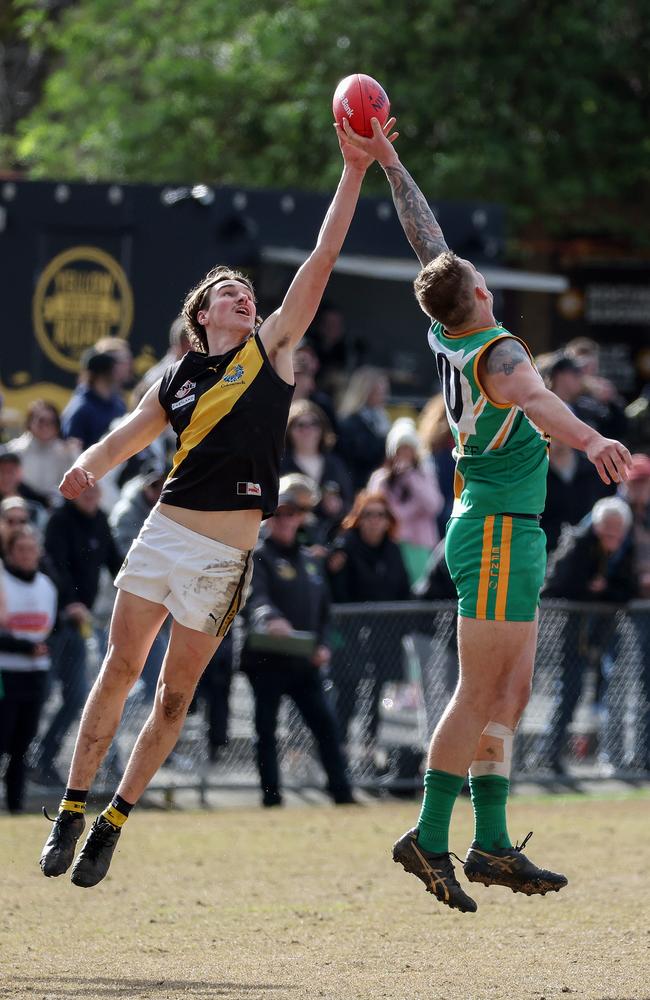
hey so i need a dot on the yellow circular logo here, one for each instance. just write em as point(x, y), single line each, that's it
point(82, 295)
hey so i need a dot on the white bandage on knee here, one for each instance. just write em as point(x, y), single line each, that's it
point(494, 752)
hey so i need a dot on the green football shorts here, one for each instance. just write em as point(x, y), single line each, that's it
point(497, 564)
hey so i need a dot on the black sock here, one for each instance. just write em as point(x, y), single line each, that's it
point(121, 804)
point(118, 811)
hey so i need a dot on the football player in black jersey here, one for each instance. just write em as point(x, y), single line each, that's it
point(227, 402)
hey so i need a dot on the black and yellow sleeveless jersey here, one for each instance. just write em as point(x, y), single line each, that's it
point(229, 412)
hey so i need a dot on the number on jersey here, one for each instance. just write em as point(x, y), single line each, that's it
point(457, 394)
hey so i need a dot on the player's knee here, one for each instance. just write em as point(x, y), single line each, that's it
point(479, 698)
point(172, 702)
point(118, 670)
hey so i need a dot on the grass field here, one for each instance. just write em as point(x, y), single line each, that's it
point(306, 903)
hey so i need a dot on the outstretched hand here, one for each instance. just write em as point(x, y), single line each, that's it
point(359, 151)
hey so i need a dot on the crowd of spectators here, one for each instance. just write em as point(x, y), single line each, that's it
point(366, 501)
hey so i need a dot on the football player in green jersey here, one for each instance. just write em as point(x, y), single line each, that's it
point(501, 416)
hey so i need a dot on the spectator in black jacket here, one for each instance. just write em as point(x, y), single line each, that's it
point(366, 565)
point(593, 562)
point(137, 499)
point(79, 543)
point(289, 594)
point(571, 490)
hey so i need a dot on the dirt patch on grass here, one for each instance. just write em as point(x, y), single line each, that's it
point(306, 903)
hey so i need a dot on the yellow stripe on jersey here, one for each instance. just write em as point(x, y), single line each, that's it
point(459, 483)
point(218, 401)
point(486, 562)
point(504, 570)
point(501, 435)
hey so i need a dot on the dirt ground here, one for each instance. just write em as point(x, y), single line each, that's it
point(306, 903)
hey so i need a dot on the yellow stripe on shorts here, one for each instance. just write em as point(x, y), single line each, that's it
point(504, 570)
point(486, 558)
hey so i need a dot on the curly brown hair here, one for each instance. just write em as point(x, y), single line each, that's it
point(445, 290)
point(197, 297)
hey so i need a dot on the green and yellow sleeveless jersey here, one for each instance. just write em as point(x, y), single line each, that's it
point(501, 456)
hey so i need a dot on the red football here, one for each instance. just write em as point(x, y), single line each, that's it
point(359, 98)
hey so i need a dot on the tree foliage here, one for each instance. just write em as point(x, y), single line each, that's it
point(540, 105)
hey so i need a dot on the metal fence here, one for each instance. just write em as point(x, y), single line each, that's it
point(393, 670)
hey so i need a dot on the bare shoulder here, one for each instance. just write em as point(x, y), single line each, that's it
point(502, 357)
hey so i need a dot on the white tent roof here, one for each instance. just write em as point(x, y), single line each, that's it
point(397, 269)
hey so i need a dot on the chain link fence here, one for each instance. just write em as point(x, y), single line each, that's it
point(393, 669)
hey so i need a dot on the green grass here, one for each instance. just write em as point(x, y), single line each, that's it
point(306, 903)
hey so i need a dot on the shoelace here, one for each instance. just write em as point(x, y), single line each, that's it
point(520, 847)
point(100, 838)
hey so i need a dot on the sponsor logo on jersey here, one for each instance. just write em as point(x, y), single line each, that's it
point(185, 388)
point(249, 490)
point(235, 375)
point(184, 402)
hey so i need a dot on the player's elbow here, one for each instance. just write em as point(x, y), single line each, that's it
point(532, 400)
point(324, 258)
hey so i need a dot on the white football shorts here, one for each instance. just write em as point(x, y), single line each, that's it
point(203, 583)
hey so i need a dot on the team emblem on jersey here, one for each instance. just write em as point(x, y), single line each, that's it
point(235, 375)
point(185, 388)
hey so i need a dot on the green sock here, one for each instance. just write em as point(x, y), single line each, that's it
point(441, 790)
point(489, 798)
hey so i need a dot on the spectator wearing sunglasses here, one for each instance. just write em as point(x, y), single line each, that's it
point(12, 485)
point(289, 604)
point(14, 515)
point(308, 450)
point(366, 565)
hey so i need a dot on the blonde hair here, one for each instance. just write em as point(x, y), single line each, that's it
point(359, 388)
point(433, 426)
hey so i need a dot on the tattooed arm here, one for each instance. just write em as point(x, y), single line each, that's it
point(418, 221)
point(508, 378)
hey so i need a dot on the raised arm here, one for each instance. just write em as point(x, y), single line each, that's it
point(418, 221)
point(134, 433)
point(286, 326)
point(508, 377)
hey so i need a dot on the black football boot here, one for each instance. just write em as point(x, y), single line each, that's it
point(58, 851)
point(435, 870)
point(509, 867)
point(95, 856)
